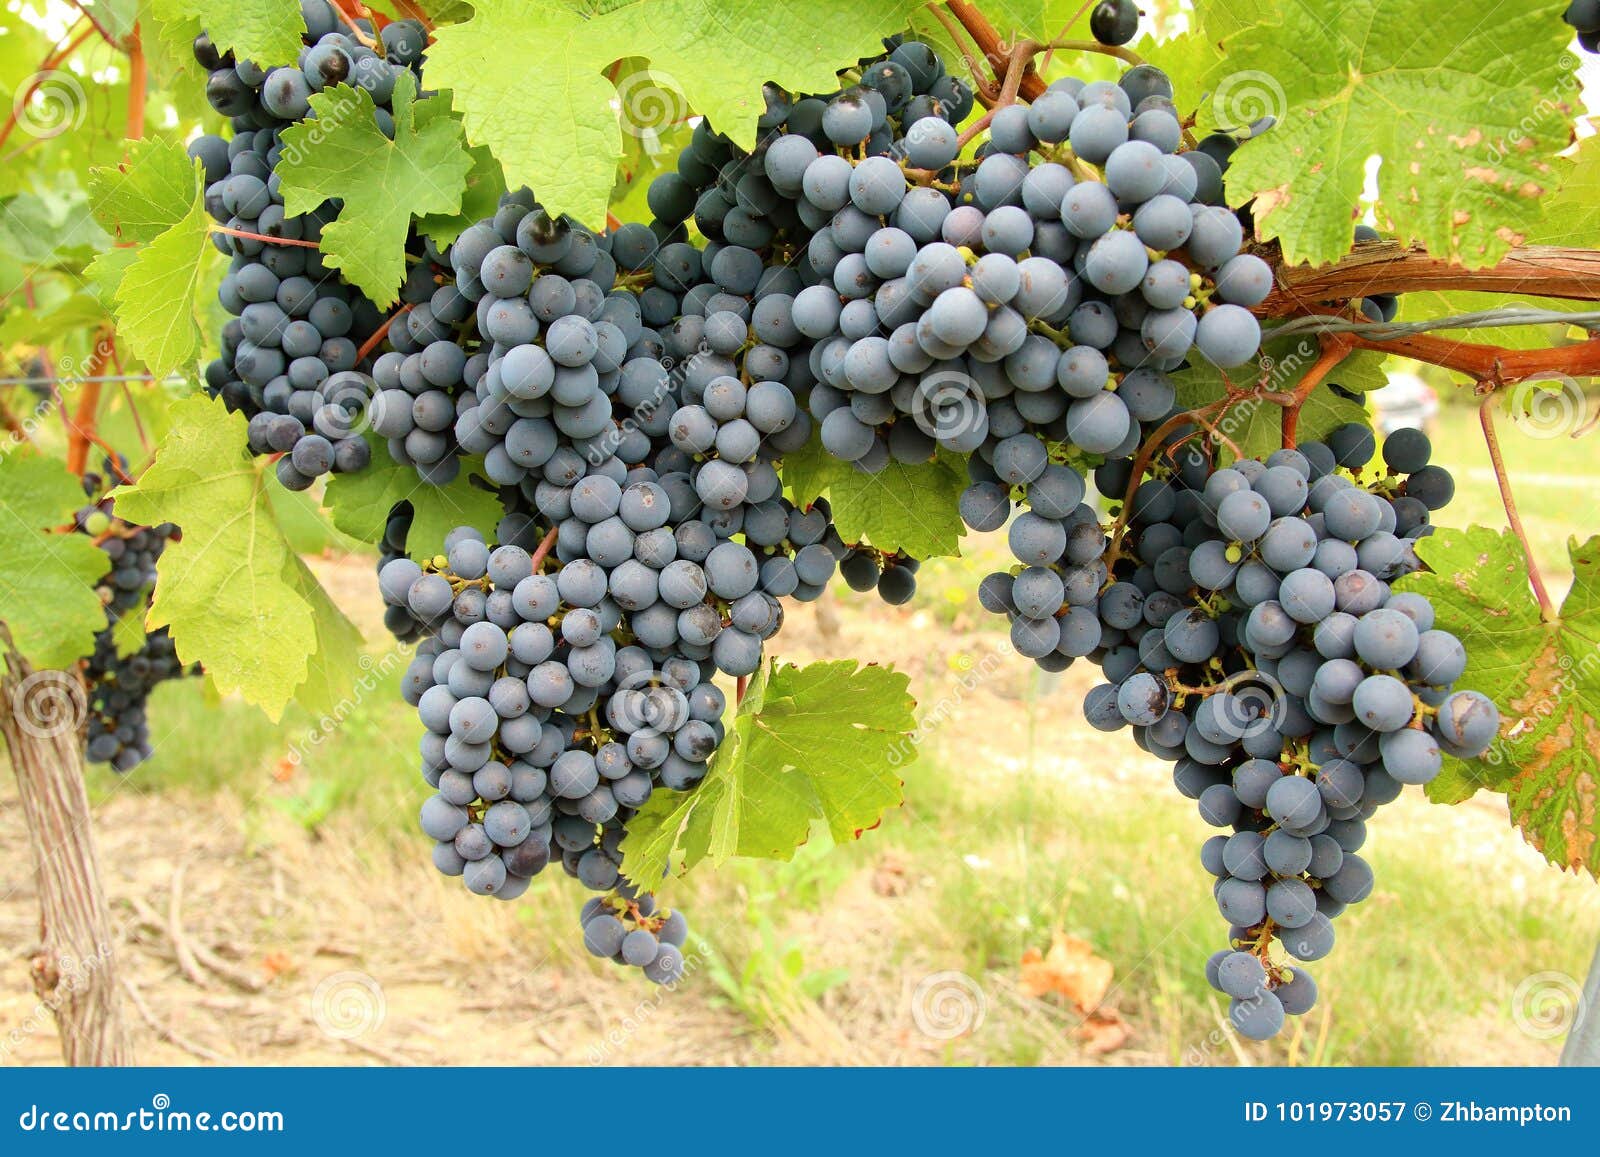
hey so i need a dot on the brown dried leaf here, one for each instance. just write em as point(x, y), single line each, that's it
point(1104, 1031)
point(1070, 969)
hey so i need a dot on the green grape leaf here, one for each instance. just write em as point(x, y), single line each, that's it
point(1572, 216)
point(343, 154)
point(128, 634)
point(905, 508)
point(1543, 676)
point(156, 292)
point(360, 503)
point(117, 17)
point(718, 54)
point(1466, 114)
point(266, 31)
point(705, 55)
point(822, 742)
point(567, 150)
point(148, 194)
point(47, 585)
point(71, 315)
point(105, 273)
point(236, 598)
point(1256, 425)
point(485, 183)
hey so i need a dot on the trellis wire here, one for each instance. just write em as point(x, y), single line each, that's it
point(71, 379)
point(1508, 315)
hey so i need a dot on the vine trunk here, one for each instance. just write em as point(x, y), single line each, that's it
point(73, 970)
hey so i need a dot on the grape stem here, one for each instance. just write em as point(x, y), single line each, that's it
point(88, 15)
point(974, 69)
point(1019, 76)
point(1547, 608)
point(1120, 52)
point(349, 21)
point(382, 332)
point(741, 685)
point(1065, 28)
point(133, 409)
point(416, 12)
point(80, 427)
point(229, 231)
point(543, 550)
point(138, 84)
point(1147, 453)
point(1335, 348)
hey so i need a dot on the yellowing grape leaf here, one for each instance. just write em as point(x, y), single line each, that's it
point(822, 742)
point(1544, 676)
point(47, 584)
point(360, 504)
point(1466, 113)
point(905, 508)
point(382, 183)
point(237, 599)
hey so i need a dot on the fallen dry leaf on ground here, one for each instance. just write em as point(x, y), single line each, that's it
point(1071, 970)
